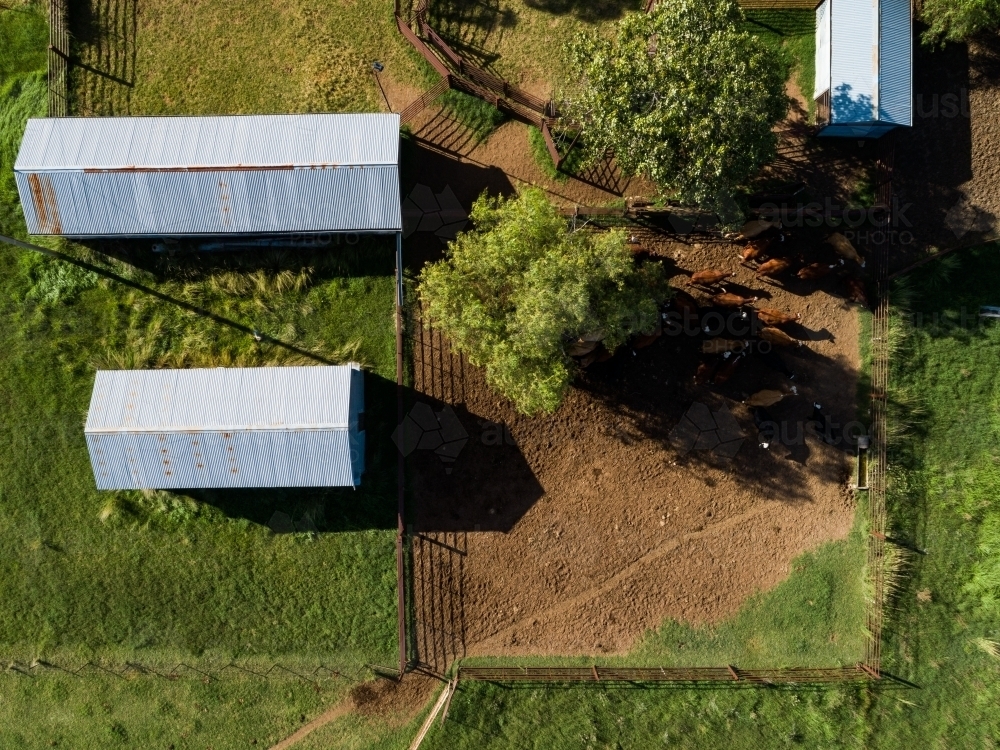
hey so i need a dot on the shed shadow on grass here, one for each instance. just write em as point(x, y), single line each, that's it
point(325, 256)
point(329, 509)
point(934, 157)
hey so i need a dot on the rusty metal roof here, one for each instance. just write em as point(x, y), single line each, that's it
point(207, 176)
point(238, 427)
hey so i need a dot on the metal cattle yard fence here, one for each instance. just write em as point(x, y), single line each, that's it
point(458, 73)
point(640, 218)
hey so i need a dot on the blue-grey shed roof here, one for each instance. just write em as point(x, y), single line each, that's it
point(178, 176)
point(222, 427)
point(864, 62)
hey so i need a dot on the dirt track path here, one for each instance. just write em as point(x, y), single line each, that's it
point(616, 580)
point(331, 714)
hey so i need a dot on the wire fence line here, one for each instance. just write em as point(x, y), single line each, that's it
point(610, 675)
point(879, 401)
point(181, 670)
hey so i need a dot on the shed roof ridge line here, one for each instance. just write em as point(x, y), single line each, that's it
point(159, 430)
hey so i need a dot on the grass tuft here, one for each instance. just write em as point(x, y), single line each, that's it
point(479, 116)
point(573, 160)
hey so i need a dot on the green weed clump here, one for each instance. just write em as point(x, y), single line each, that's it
point(573, 161)
point(479, 116)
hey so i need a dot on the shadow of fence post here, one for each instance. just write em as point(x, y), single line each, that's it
point(58, 60)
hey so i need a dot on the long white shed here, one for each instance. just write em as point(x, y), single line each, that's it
point(864, 67)
point(227, 427)
point(210, 176)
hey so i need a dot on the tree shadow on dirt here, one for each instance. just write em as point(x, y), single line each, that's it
point(479, 480)
point(651, 391)
point(373, 505)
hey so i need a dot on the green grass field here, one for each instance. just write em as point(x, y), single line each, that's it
point(792, 33)
point(98, 711)
point(159, 578)
point(160, 575)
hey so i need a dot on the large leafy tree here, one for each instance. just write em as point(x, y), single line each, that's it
point(957, 20)
point(517, 290)
point(684, 94)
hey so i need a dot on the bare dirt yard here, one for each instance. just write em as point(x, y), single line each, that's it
point(574, 533)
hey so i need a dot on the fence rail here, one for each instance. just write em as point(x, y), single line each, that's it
point(462, 67)
point(418, 44)
point(58, 60)
point(423, 101)
point(732, 674)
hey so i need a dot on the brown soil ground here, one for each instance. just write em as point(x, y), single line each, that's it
point(578, 531)
point(387, 700)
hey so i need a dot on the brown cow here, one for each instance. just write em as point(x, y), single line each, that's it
point(765, 398)
point(732, 300)
point(777, 337)
point(815, 271)
point(684, 302)
point(727, 369)
point(755, 249)
point(856, 290)
point(771, 317)
point(705, 371)
point(773, 267)
point(844, 248)
point(709, 277)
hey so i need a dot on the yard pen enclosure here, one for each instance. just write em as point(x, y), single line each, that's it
point(577, 533)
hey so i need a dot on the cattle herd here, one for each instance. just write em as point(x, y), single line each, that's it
point(763, 247)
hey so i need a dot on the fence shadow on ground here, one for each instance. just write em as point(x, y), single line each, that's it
point(460, 490)
point(472, 26)
point(103, 56)
point(438, 627)
point(591, 11)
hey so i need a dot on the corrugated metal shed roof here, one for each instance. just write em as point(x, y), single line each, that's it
point(191, 176)
point(209, 142)
point(870, 63)
point(172, 204)
point(895, 101)
point(240, 427)
point(853, 60)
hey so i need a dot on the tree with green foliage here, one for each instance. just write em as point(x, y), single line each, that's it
point(684, 94)
point(957, 20)
point(514, 292)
